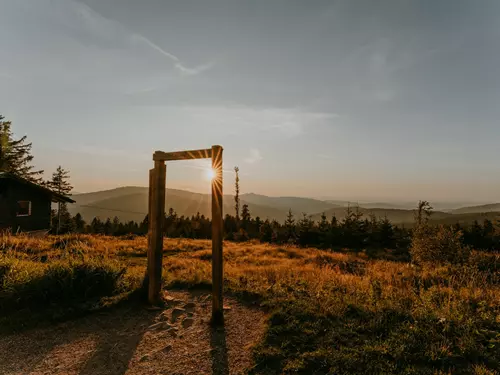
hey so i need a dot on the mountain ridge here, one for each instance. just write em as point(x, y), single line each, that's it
point(483, 208)
point(130, 203)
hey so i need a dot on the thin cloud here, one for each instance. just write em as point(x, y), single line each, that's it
point(184, 70)
point(143, 39)
point(75, 14)
point(254, 157)
point(194, 71)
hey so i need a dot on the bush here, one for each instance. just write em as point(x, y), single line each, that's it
point(436, 244)
point(241, 236)
point(439, 245)
point(486, 263)
point(33, 285)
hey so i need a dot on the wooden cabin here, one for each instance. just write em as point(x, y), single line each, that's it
point(24, 205)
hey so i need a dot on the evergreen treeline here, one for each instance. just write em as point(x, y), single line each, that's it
point(355, 231)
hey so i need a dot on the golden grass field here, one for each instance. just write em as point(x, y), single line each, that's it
point(329, 312)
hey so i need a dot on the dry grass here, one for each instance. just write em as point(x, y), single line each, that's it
point(331, 312)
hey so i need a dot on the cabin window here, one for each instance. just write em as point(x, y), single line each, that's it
point(23, 208)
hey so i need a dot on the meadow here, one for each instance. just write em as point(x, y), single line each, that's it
point(328, 312)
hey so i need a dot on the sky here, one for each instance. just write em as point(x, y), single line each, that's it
point(348, 99)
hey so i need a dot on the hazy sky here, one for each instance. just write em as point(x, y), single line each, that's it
point(347, 99)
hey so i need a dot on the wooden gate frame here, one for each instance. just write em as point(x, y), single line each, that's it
point(156, 215)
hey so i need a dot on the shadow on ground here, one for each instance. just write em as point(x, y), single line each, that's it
point(220, 364)
point(102, 343)
point(126, 340)
point(117, 343)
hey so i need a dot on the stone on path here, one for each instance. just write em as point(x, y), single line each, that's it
point(190, 306)
point(159, 325)
point(187, 322)
point(176, 313)
point(164, 317)
point(167, 348)
point(172, 331)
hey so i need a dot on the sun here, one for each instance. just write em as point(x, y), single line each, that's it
point(209, 174)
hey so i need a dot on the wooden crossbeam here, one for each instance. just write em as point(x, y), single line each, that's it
point(182, 155)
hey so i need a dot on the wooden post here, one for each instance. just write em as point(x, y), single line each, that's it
point(150, 200)
point(217, 267)
point(150, 252)
point(156, 221)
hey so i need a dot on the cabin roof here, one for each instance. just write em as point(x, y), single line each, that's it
point(55, 197)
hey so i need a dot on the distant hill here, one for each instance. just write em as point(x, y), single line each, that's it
point(409, 205)
point(390, 206)
point(86, 198)
point(494, 207)
point(130, 203)
point(467, 218)
point(296, 204)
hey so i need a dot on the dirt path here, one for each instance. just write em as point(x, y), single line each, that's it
point(175, 341)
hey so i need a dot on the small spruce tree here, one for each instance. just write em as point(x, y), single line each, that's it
point(245, 216)
point(290, 227)
point(61, 185)
point(79, 223)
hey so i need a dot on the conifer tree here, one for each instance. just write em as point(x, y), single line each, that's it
point(245, 216)
point(386, 233)
point(115, 225)
point(97, 226)
point(60, 182)
point(61, 185)
point(324, 230)
point(255, 230)
point(305, 226)
point(108, 227)
point(266, 231)
point(290, 226)
point(79, 223)
point(15, 154)
point(144, 225)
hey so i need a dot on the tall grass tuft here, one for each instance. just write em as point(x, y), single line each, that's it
point(34, 285)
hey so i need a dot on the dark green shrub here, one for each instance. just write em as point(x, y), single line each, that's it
point(436, 244)
point(33, 285)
